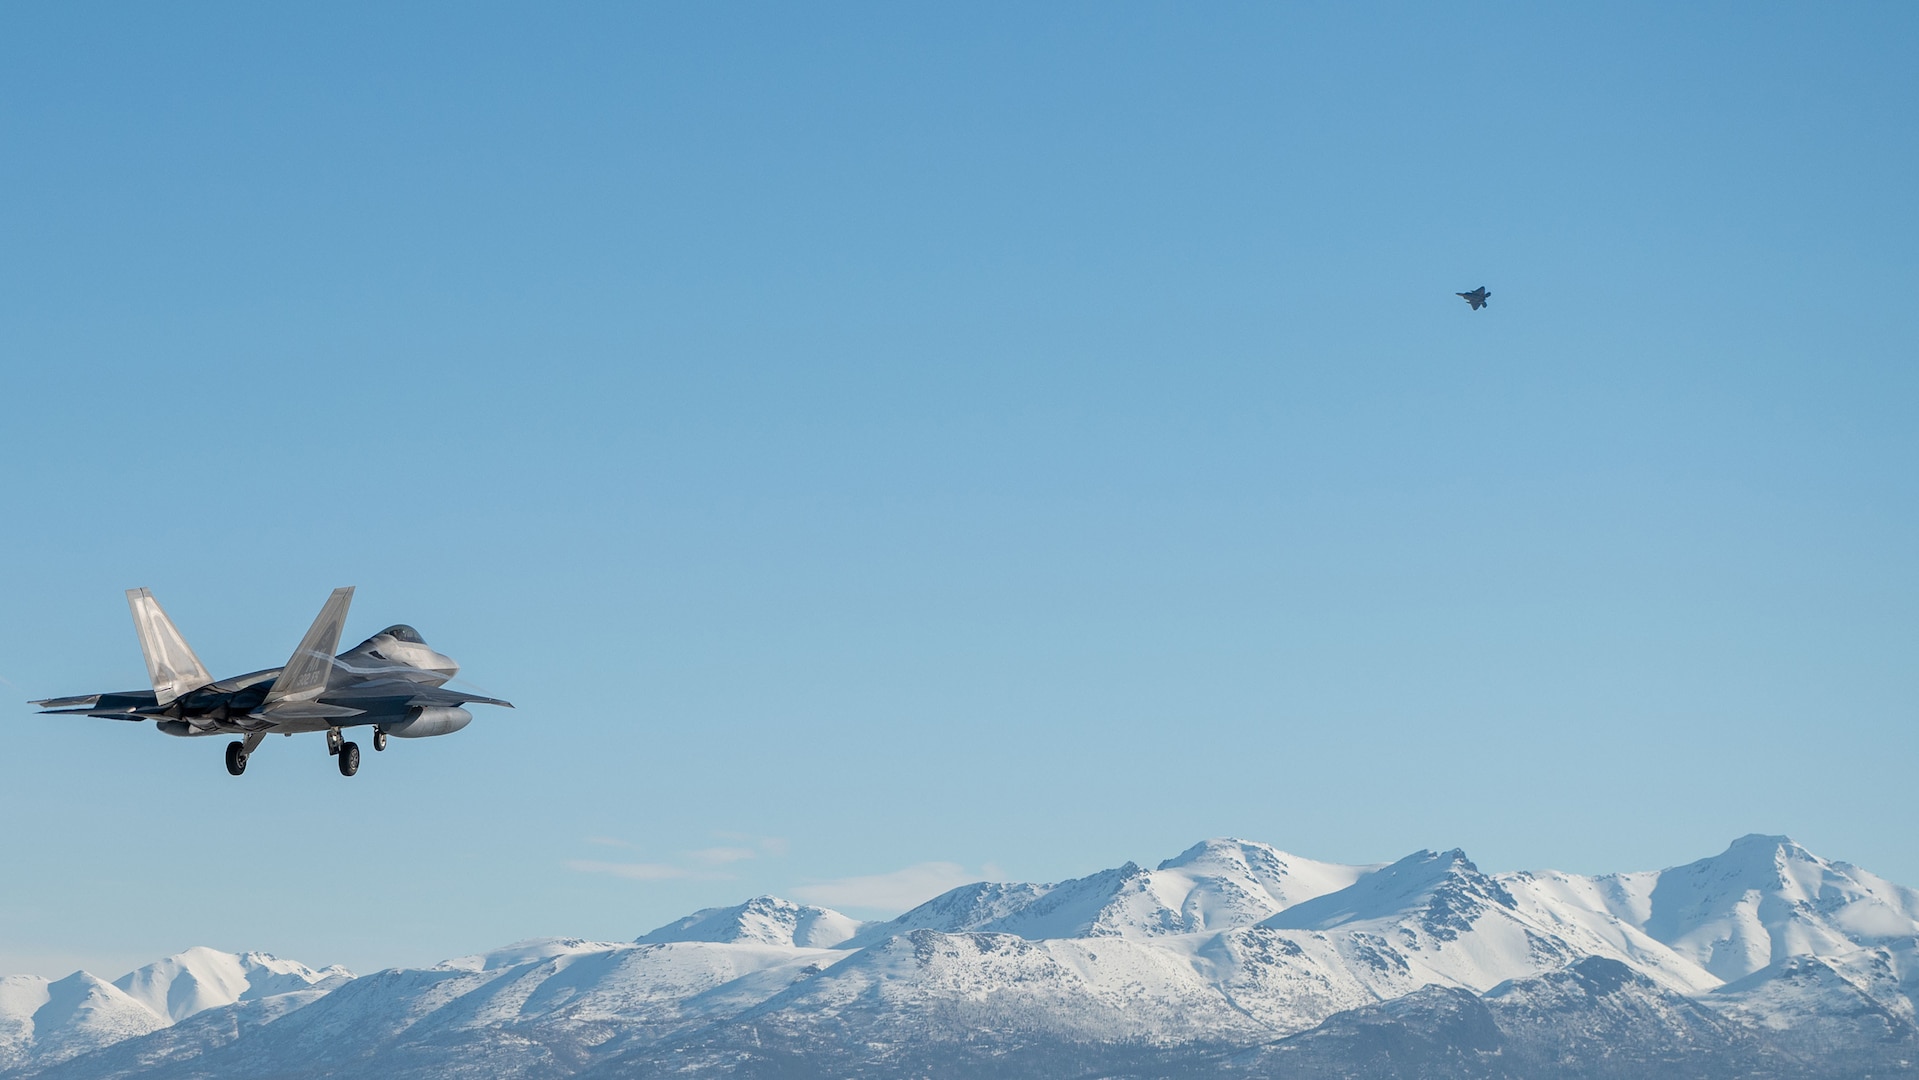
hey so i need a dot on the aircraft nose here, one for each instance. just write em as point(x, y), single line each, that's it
point(443, 664)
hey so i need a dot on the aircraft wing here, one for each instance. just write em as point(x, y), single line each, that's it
point(440, 695)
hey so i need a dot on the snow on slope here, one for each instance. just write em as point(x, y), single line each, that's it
point(538, 1008)
point(764, 920)
point(1437, 917)
point(1767, 898)
point(574, 982)
point(1814, 993)
point(20, 997)
point(202, 978)
point(927, 985)
point(1761, 902)
point(1288, 980)
point(43, 1022)
point(181, 1043)
point(1580, 910)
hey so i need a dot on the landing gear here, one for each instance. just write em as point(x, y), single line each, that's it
point(379, 740)
point(236, 757)
point(349, 758)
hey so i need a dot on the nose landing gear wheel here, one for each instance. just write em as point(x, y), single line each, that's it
point(236, 758)
point(379, 740)
point(349, 758)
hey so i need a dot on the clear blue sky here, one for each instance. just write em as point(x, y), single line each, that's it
point(906, 442)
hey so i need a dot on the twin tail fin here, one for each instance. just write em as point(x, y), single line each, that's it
point(171, 664)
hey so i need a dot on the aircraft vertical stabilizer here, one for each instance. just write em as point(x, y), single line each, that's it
point(170, 660)
point(305, 677)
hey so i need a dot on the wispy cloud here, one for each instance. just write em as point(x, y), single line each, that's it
point(767, 845)
point(720, 856)
point(699, 864)
point(896, 891)
point(637, 871)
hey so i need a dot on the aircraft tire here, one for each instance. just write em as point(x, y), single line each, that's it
point(349, 758)
point(379, 741)
point(236, 757)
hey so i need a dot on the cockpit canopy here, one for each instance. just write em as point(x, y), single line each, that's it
point(394, 636)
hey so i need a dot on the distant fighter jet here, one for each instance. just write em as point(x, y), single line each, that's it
point(391, 681)
point(1477, 298)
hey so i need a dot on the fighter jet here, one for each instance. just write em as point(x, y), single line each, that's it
point(391, 682)
point(1477, 298)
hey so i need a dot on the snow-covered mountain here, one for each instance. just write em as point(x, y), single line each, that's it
point(44, 1022)
point(1230, 957)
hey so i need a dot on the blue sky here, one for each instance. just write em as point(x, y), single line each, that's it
point(884, 445)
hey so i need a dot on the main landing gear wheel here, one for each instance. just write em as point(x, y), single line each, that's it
point(379, 740)
point(349, 758)
point(236, 757)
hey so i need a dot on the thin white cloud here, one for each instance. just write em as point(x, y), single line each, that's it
point(720, 856)
point(897, 891)
point(768, 845)
point(636, 871)
point(701, 864)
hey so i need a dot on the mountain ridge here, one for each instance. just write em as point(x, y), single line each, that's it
point(1232, 955)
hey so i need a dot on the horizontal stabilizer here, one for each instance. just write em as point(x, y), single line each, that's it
point(305, 676)
point(66, 704)
point(170, 661)
point(101, 715)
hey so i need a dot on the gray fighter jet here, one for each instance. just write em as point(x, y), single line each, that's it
point(1477, 298)
point(391, 681)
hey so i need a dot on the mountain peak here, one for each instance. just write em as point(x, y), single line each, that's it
point(76, 1014)
point(1761, 846)
point(1766, 898)
point(763, 920)
point(1753, 839)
